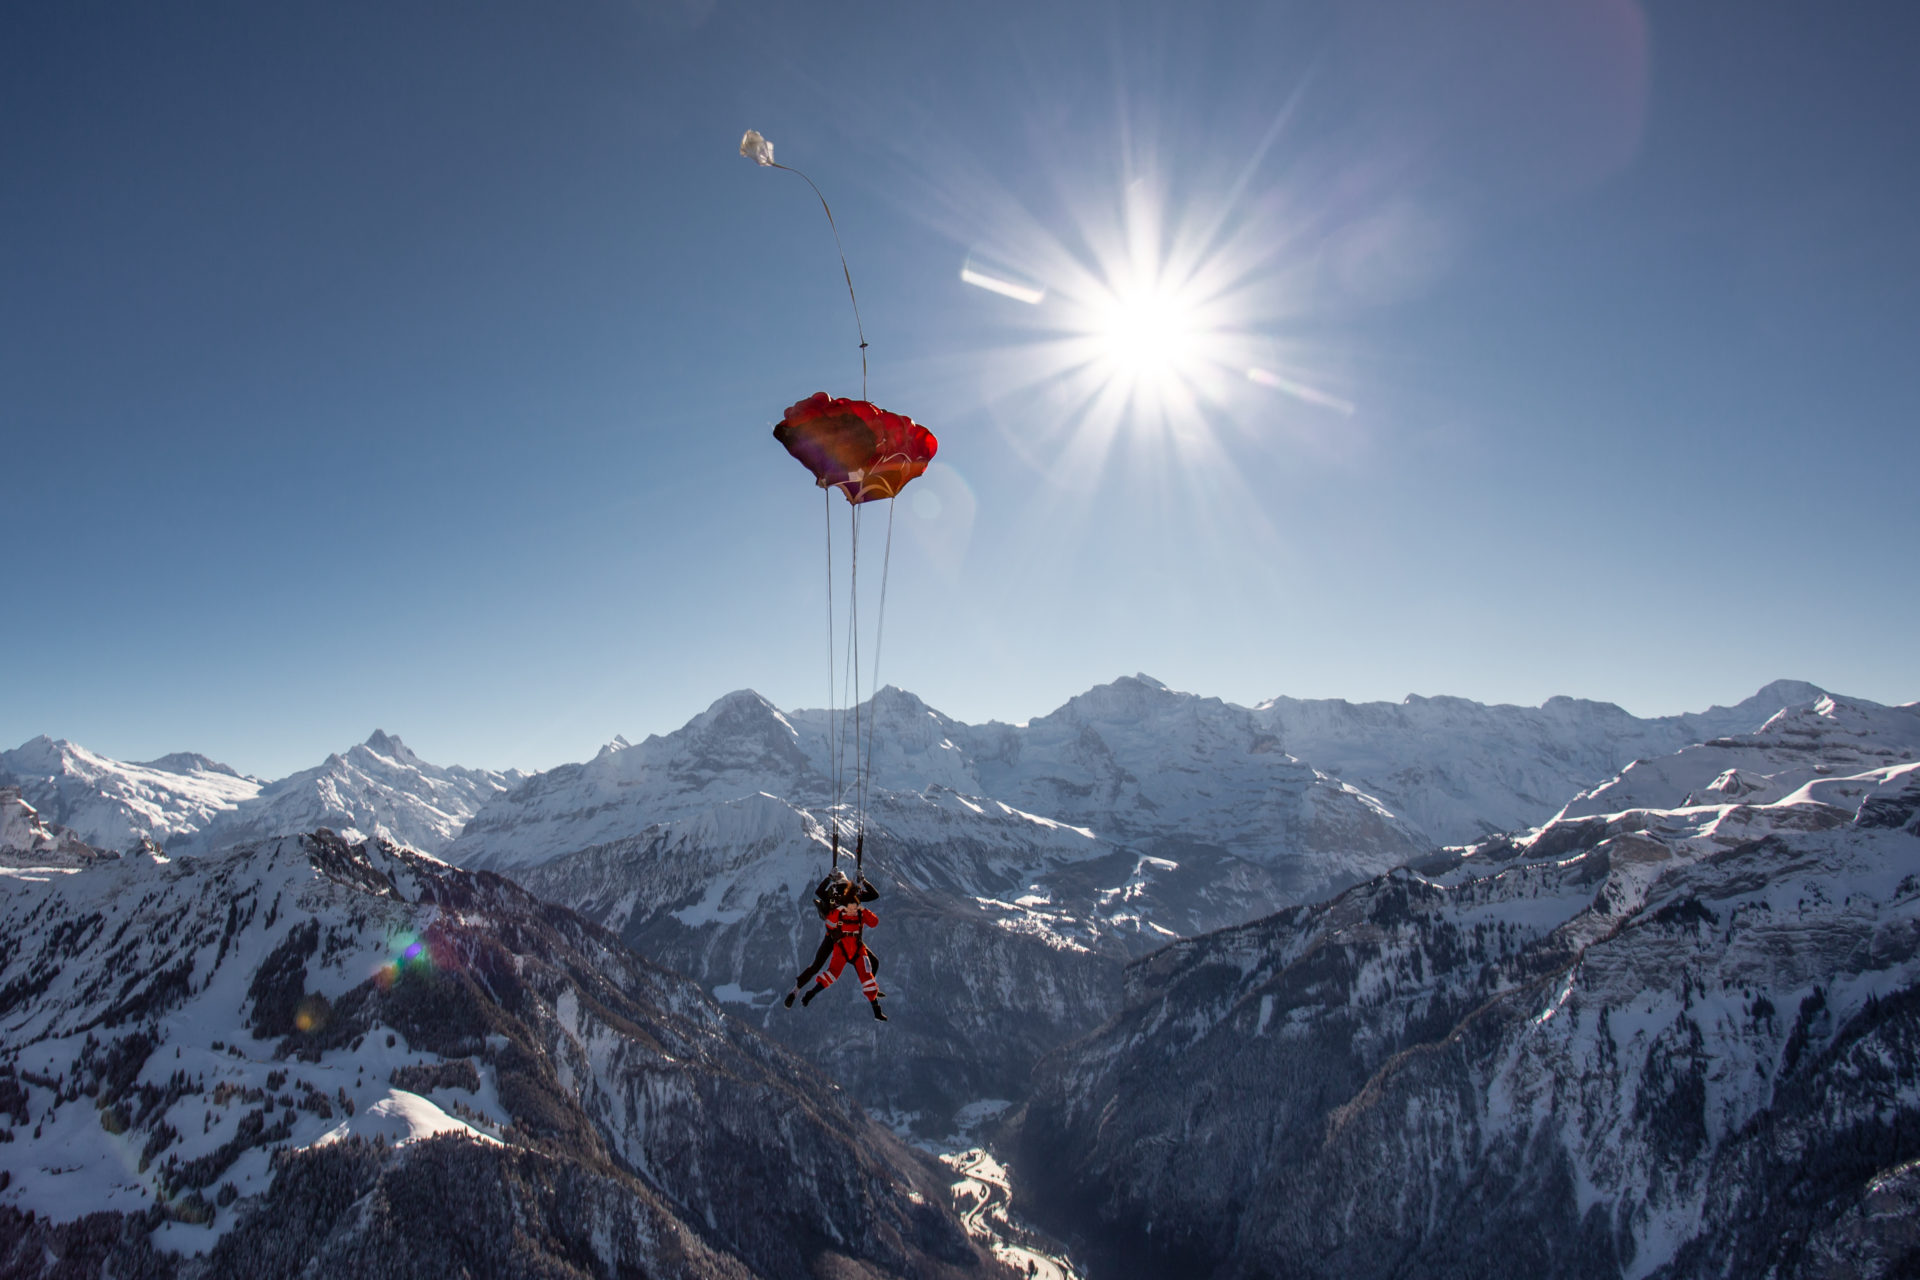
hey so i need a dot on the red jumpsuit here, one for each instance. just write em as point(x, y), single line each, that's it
point(850, 918)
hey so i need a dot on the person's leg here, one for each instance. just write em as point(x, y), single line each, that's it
point(819, 958)
point(868, 983)
point(835, 963)
point(820, 955)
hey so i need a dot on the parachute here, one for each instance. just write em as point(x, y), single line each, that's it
point(867, 453)
point(855, 446)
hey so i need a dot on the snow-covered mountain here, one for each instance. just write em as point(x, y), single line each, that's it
point(1029, 861)
point(1668, 1042)
point(111, 804)
point(378, 788)
point(26, 837)
point(1134, 761)
point(400, 1069)
point(984, 970)
point(1825, 737)
point(1020, 865)
point(188, 803)
point(1462, 770)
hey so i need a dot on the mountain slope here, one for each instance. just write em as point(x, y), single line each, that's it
point(1025, 863)
point(1817, 739)
point(1463, 770)
point(111, 804)
point(378, 788)
point(1641, 1044)
point(1133, 761)
point(28, 839)
point(310, 1053)
point(188, 803)
point(1132, 816)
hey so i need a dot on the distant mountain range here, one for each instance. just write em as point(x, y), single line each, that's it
point(185, 802)
point(1224, 934)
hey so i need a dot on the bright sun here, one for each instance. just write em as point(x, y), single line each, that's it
point(1155, 322)
point(1148, 336)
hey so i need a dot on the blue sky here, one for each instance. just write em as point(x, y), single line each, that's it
point(413, 365)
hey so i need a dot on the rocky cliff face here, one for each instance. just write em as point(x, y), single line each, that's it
point(311, 1053)
point(1656, 1042)
point(28, 839)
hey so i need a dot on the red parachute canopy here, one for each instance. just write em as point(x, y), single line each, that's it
point(856, 446)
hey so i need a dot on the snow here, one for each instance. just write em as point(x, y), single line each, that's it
point(188, 803)
point(398, 1118)
point(1116, 764)
point(983, 1193)
point(109, 803)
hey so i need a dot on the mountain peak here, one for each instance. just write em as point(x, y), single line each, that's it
point(1788, 692)
point(188, 762)
point(733, 712)
point(43, 748)
point(382, 743)
point(748, 698)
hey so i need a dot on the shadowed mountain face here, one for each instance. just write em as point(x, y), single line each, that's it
point(1656, 1042)
point(311, 1053)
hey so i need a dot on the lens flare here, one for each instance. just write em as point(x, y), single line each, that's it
point(409, 953)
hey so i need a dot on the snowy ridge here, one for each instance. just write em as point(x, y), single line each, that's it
point(1604, 1048)
point(1463, 770)
point(1820, 738)
point(188, 803)
point(1135, 762)
point(273, 1052)
point(25, 838)
point(1132, 761)
point(111, 804)
point(377, 789)
point(1028, 862)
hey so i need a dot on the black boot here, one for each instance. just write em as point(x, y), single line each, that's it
point(811, 993)
point(879, 1014)
point(790, 995)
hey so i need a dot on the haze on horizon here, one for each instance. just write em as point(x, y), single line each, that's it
point(359, 367)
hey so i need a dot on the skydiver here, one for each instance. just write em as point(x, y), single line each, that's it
point(845, 945)
point(826, 896)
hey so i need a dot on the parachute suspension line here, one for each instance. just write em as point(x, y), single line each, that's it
point(833, 750)
point(853, 691)
point(858, 328)
point(873, 718)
